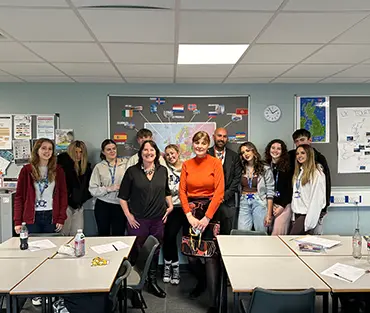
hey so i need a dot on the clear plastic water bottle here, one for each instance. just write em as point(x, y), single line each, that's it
point(357, 244)
point(23, 236)
point(79, 243)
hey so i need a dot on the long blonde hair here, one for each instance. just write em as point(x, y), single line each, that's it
point(80, 167)
point(35, 161)
point(309, 166)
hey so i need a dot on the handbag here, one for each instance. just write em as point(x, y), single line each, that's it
point(197, 244)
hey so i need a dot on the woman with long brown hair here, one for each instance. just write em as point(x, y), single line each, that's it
point(41, 199)
point(78, 172)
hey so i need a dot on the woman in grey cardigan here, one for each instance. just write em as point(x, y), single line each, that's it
point(257, 190)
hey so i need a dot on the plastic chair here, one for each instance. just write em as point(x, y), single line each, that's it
point(115, 295)
point(263, 301)
point(247, 232)
point(139, 273)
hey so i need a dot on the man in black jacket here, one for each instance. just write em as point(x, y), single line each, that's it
point(232, 173)
point(303, 136)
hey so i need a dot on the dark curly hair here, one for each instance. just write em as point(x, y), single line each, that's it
point(283, 162)
point(258, 163)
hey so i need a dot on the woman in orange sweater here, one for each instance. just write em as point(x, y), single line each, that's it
point(202, 178)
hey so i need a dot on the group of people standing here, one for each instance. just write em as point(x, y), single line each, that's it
point(287, 192)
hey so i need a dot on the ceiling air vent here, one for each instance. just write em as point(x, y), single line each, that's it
point(112, 6)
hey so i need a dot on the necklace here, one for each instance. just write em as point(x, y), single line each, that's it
point(149, 171)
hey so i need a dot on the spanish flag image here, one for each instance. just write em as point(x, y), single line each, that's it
point(120, 137)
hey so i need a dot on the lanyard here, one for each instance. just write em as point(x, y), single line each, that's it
point(112, 172)
point(43, 184)
point(250, 180)
point(298, 181)
point(177, 177)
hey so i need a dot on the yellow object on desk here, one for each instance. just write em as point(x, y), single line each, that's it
point(98, 261)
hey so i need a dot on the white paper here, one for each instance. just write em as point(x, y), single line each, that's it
point(5, 132)
point(23, 127)
point(21, 150)
point(109, 247)
point(344, 272)
point(326, 243)
point(40, 245)
point(45, 127)
point(353, 140)
point(4, 163)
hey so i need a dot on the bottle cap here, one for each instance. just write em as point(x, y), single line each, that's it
point(79, 230)
point(23, 223)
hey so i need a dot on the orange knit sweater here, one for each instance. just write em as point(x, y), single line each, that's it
point(201, 178)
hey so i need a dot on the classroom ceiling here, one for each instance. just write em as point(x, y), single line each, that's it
point(291, 41)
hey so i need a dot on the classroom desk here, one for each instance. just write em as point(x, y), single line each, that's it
point(343, 249)
point(319, 264)
point(252, 246)
point(12, 272)
point(10, 248)
point(275, 273)
point(95, 241)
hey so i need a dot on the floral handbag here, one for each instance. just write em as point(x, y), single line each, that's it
point(200, 244)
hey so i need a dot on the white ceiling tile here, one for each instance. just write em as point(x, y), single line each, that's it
point(199, 80)
point(12, 51)
point(221, 27)
point(314, 70)
point(259, 70)
point(47, 79)
point(140, 70)
point(20, 69)
point(131, 25)
point(203, 71)
point(340, 54)
point(231, 4)
point(248, 80)
point(98, 79)
point(357, 34)
point(9, 79)
point(278, 53)
point(151, 80)
point(151, 3)
point(68, 52)
point(297, 80)
point(308, 27)
point(140, 53)
point(43, 25)
point(34, 3)
point(87, 69)
point(336, 80)
point(327, 5)
point(361, 70)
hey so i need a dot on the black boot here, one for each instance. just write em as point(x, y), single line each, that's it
point(153, 287)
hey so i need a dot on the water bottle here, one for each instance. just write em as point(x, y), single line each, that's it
point(356, 244)
point(79, 243)
point(23, 236)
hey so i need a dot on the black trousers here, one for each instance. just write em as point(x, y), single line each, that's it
point(110, 219)
point(175, 221)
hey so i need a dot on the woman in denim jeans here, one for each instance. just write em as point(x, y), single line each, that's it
point(257, 190)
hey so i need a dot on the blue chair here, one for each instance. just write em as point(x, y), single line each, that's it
point(264, 301)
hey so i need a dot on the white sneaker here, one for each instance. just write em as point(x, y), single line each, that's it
point(175, 279)
point(167, 271)
point(37, 301)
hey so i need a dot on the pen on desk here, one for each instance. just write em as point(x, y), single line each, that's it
point(343, 277)
point(114, 247)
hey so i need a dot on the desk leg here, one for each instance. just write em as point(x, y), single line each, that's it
point(125, 296)
point(325, 302)
point(43, 305)
point(223, 290)
point(50, 304)
point(8, 304)
point(334, 303)
point(14, 304)
point(236, 302)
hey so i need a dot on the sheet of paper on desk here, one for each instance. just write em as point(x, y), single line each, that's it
point(40, 245)
point(109, 247)
point(326, 243)
point(120, 245)
point(344, 272)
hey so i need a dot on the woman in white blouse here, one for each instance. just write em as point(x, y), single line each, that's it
point(308, 191)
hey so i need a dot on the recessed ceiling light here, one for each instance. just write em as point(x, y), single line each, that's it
point(210, 54)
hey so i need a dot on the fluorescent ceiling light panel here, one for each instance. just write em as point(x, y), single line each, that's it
point(210, 54)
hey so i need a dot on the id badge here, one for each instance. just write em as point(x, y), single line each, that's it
point(277, 194)
point(41, 203)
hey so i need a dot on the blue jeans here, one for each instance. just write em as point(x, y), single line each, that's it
point(43, 223)
point(252, 212)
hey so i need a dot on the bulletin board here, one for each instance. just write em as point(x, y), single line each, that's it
point(175, 119)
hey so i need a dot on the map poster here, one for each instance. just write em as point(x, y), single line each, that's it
point(180, 134)
point(313, 115)
point(353, 140)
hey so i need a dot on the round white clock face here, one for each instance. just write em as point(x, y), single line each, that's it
point(272, 113)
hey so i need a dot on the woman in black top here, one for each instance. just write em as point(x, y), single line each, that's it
point(145, 186)
point(276, 154)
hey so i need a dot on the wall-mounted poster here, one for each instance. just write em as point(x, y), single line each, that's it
point(5, 132)
point(63, 137)
point(22, 151)
point(23, 127)
point(45, 126)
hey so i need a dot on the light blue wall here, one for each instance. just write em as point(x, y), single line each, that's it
point(83, 107)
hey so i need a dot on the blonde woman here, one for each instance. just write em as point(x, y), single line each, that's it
point(309, 191)
point(78, 172)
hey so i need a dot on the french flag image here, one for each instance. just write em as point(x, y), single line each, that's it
point(178, 108)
